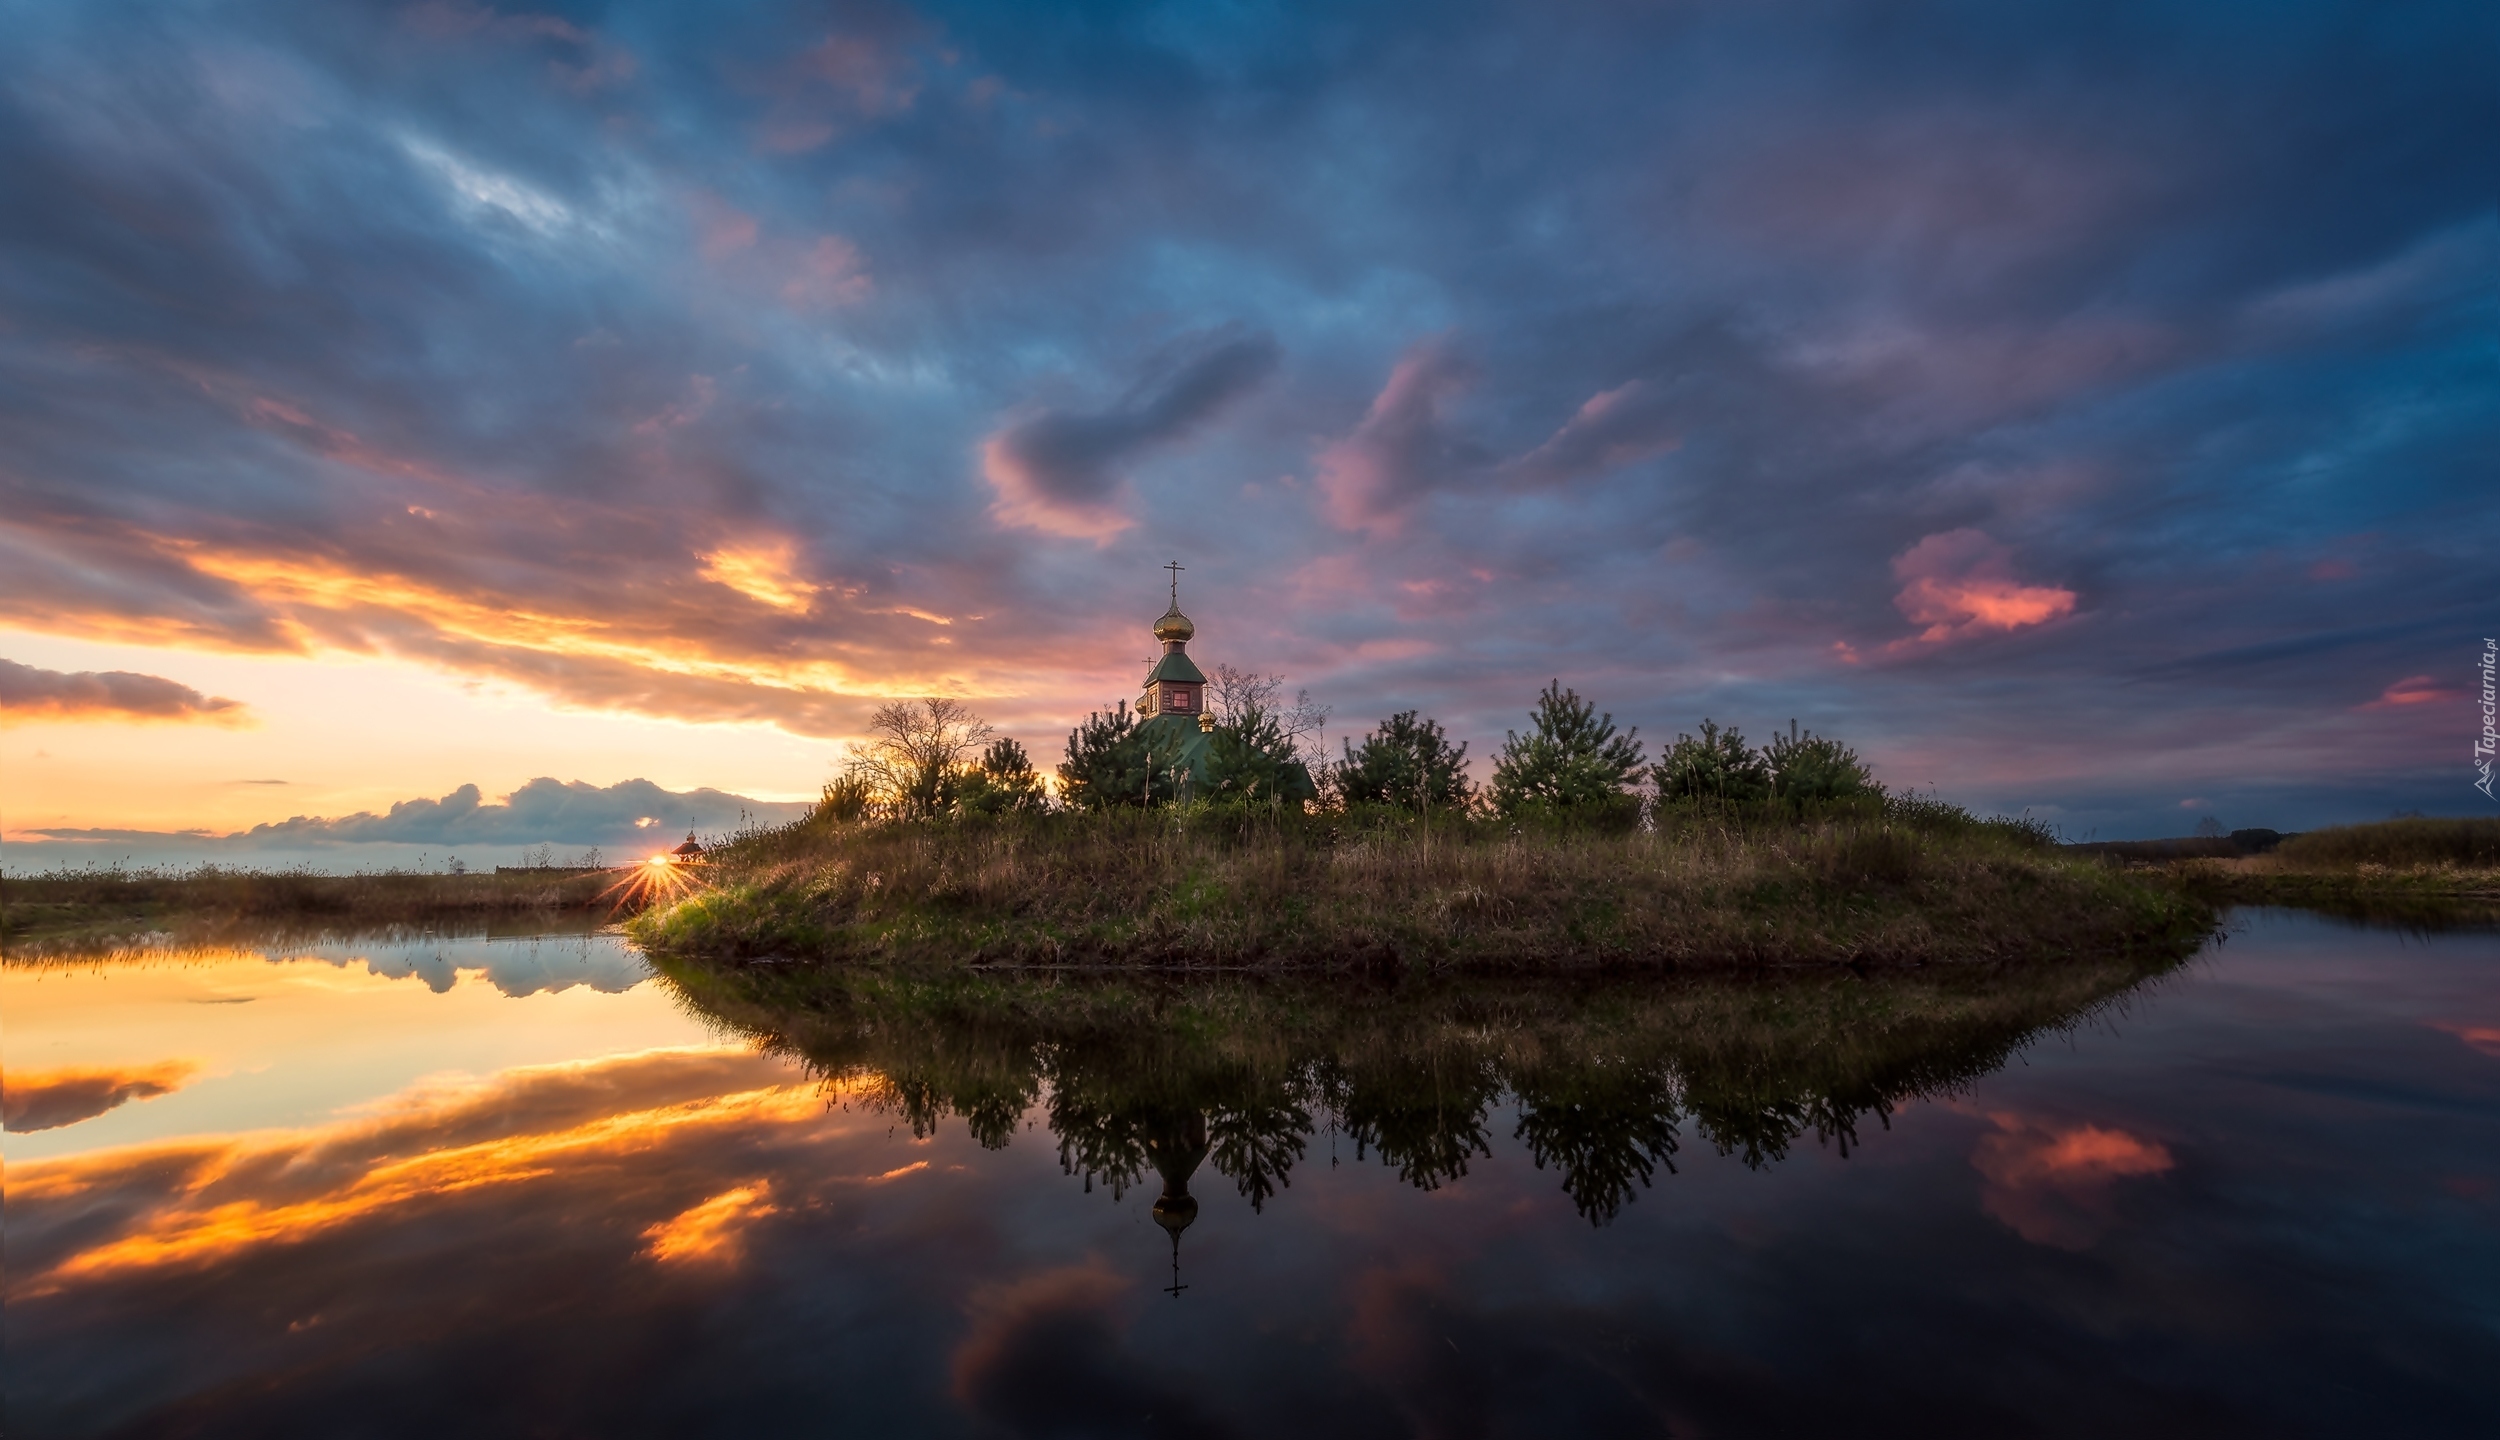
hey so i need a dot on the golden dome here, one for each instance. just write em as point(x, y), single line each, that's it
point(1174, 626)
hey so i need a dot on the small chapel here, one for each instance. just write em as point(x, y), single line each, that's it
point(1173, 703)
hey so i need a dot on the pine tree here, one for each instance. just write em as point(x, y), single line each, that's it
point(1250, 758)
point(1112, 762)
point(1715, 765)
point(1001, 782)
point(1406, 762)
point(1806, 768)
point(1572, 758)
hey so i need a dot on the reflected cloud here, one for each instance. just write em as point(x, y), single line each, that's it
point(2052, 1184)
point(32, 1100)
point(1044, 1356)
point(714, 1231)
point(196, 1203)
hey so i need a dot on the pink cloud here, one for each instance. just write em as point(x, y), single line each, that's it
point(721, 229)
point(2051, 1184)
point(1027, 498)
point(1373, 478)
point(2413, 690)
point(832, 273)
point(1612, 429)
point(1960, 583)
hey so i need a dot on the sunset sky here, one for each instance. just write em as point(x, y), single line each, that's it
point(2085, 408)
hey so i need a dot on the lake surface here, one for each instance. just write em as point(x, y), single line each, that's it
point(430, 1185)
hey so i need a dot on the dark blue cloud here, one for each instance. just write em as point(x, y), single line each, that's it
point(1635, 344)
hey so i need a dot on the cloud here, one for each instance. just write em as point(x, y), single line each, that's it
point(334, 338)
point(713, 1232)
point(194, 1203)
point(28, 693)
point(545, 810)
point(2053, 1184)
point(1063, 473)
point(33, 1100)
point(1610, 430)
point(2414, 690)
point(1401, 451)
point(1044, 1356)
point(1960, 583)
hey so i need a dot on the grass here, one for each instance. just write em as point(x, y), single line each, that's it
point(1907, 882)
point(2404, 869)
point(87, 908)
point(1610, 1077)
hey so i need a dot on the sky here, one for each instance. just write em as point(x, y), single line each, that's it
point(2086, 410)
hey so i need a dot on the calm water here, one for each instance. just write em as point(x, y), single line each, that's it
point(430, 1186)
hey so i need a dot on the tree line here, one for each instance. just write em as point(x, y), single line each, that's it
point(930, 758)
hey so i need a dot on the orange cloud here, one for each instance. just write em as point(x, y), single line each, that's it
point(33, 1100)
point(1960, 583)
point(199, 1201)
point(712, 1232)
point(766, 573)
point(2052, 1185)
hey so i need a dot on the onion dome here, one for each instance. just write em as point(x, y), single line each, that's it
point(1174, 626)
point(691, 850)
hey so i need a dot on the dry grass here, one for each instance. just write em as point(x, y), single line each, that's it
point(43, 913)
point(2415, 861)
point(1293, 893)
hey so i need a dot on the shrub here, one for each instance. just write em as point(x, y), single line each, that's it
point(1572, 757)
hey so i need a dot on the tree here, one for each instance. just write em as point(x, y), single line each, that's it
point(1238, 692)
point(848, 799)
point(1112, 762)
point(917, 748)
point(2209, 829)
point(1001, 782)
point(1806, 768)
point(1715, 765)
point(1572, 758)
point(1405, 762)
point(1250, 757)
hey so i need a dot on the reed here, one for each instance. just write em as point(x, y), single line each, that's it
point(2402, 869)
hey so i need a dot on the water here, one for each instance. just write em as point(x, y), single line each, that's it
point(502, 1186)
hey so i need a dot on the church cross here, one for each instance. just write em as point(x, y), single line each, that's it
point(1176, 568)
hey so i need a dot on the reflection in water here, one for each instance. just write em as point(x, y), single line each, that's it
point(2262, 1203)
point(519, 962)
point(32, 1100)
point(1143, 1075)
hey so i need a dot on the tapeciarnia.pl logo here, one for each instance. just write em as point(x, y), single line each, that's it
point(2485, 743)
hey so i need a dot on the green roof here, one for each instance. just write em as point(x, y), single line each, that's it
point(1175, 667)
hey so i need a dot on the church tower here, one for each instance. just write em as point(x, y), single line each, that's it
point(1174, 686)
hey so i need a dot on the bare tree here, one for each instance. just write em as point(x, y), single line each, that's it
point(915, 750)
point(1241, 697)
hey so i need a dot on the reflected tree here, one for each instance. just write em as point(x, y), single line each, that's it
point(1607, 1130)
